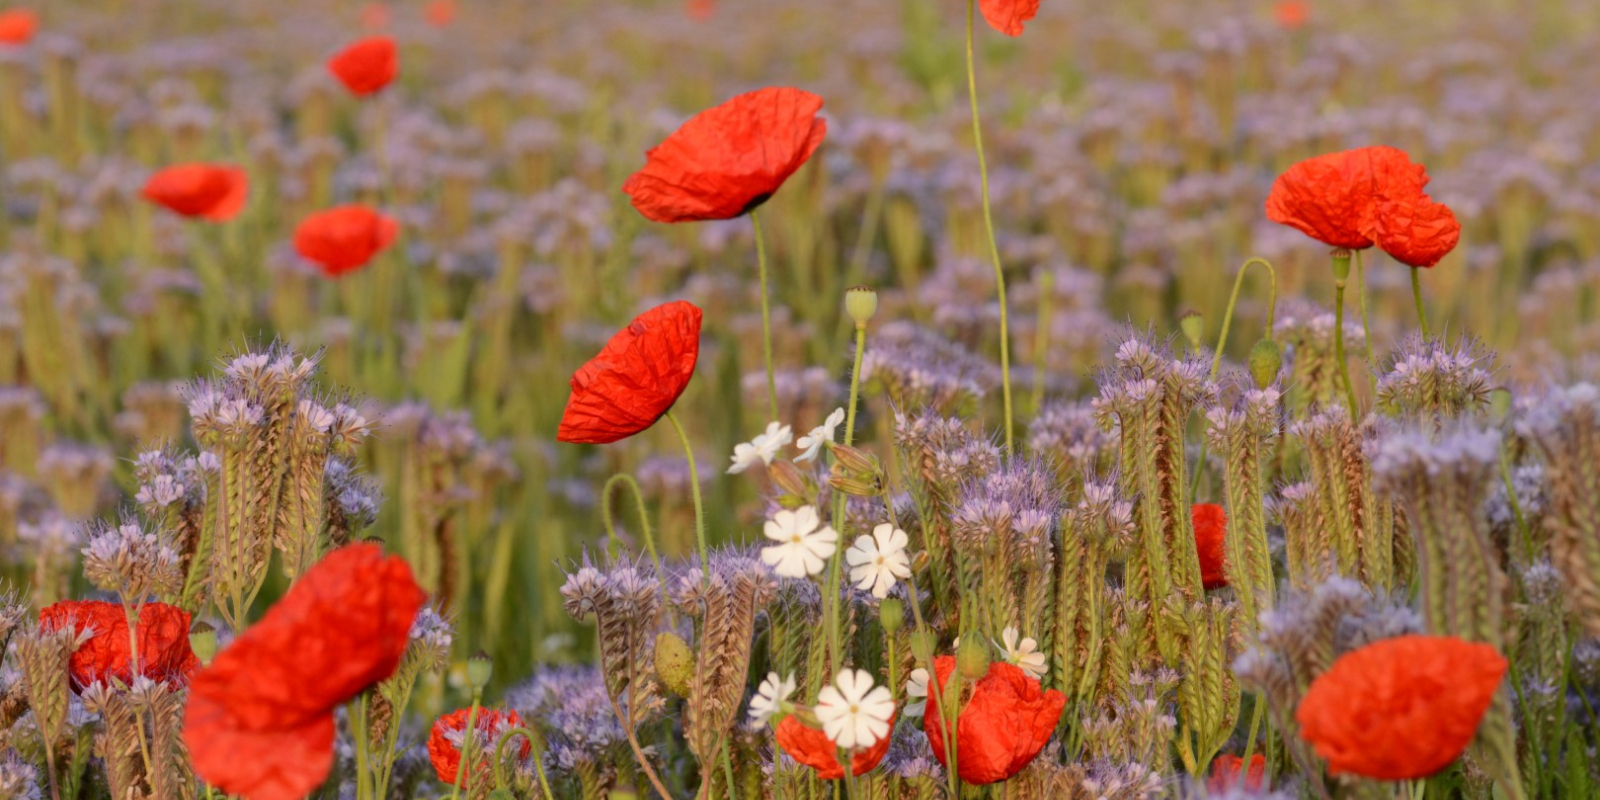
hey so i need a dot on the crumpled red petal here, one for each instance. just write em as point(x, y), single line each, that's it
point(1401, 708)
point(1004, 725)
point(340, 629)
point(208, 191)
point(730, 158)
point(344, 239)
point(1210, 537)
point(1225, 773)
point(1416, 230)
point(366, 66)
point(814, 749)
point(1008, 16)
point(636, 378)
point(164, 653)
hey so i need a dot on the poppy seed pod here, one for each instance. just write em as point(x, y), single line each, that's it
point(674, 663)
point(891, 615)
point(1341, 265)
point(480, 669)
point(1266, 359)
point(861, 303)
point(203, 641)
point(1193, 325)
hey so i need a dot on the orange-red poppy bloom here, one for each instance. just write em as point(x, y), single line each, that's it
point(208, 191)
point(728, 159)
point(1004, 725)
point(445, 755)
point(163, 633)
point(1210, 531)
point(636, 377)
point(1291, 14)
point(1401, 708)
point(1225, 773)
point(814, 749)
point(366, 66)
point(1371, 195)
point(17, 26)
point(344, 239)
point(1008, 16)
point(700, 9)
point(440, 13)
point(259, 723)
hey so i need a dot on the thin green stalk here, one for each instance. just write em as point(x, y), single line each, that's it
point(1256, 716)
point(1416, 293)
point(1222, 342)
point(606, 516)
point(1361, 289)
point(836, 563)
point(467, 735)
point(766, 318)
point(694, 487)
point(727, 769)
point(988, 225)
point(1338, 348)
point(358, 731)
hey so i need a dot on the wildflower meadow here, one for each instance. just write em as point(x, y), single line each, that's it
point(799, 399)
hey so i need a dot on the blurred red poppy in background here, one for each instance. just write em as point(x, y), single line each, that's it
point(208, 191)
point(636, 377)
point(1225, 775)
point(1291, 14)
point(163, 632)
point(1002, 727)
point(440, 13)
point(814, 749)
point(700, 9)
point(1371, 195)
point(17, 26)
point(1210, 533)
point(445, 755)
point(343, 239)
point(729, 159)
point(259, 723)
point(366, 66)
point(1401, 708)
point(1007, 16)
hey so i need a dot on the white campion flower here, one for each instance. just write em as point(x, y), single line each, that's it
point(770, 697)
point(813, 442)
point(917, 693)
point(1025, 655)
point(763, 448)
point(804, 543)
point(877, 561)
point(854, 713)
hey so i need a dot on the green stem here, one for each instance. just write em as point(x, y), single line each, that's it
point(467, 735)
point(694, 488)
point(606, 516)
point(988, 225)
point(1361, 291)
point(537, 757)
point(359, 732)
point(836, 563)
point(1338, 348)
point(766, 318)
point(1222, 342)
point(1416, 292)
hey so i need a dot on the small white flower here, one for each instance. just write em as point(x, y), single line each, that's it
point(763, 448)
point(917, 693)
point(804, 543)
point(876, 561)
point(1025, 655)
point(853, 712)
point(813, 442)
point(770, 697)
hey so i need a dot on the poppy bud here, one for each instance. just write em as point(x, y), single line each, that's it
point(789, 479)
point(1193, 326)
point(891, 615)
point(674, 662)
point(861, 302)
point(203, 642)
point(972, 657)
point(480, 668)
point(854, 461)
point(1341, 265)
point(1265, 361)
point(854, 486)
point(922, 644)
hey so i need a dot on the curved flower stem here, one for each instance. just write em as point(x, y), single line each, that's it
point(467, 735)
point(638, 752)
point(1416, 292)
point(988, 225)
point(1361, 289)
point(1222, 341)
point(538, 760)
point(694, 488)
point(1338, 348)
point(766, 317)
point(836, 563)
point(625, 479)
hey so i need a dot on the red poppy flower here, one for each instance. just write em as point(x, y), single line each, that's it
point(729, 159)
point(440, 13)
point(1291, 14)
point(636, 378)
point(17, 26)
point(1004, 725)
point(164, 653)
point(259, 723)
point(1401, 708)
point(700, 9)
point(1225, 773)
point(814, 749)
point(207, 191)
point(366, 66)
point(1007, 16)
point(445, 755)
point(1415, 230)
point(1210, 533)
point(345, 238)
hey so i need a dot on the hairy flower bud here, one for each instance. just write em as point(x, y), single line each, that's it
point(891, 615)
point(1193, 325)
point(674, 663)
point(972, 657)
point(1266, 359)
